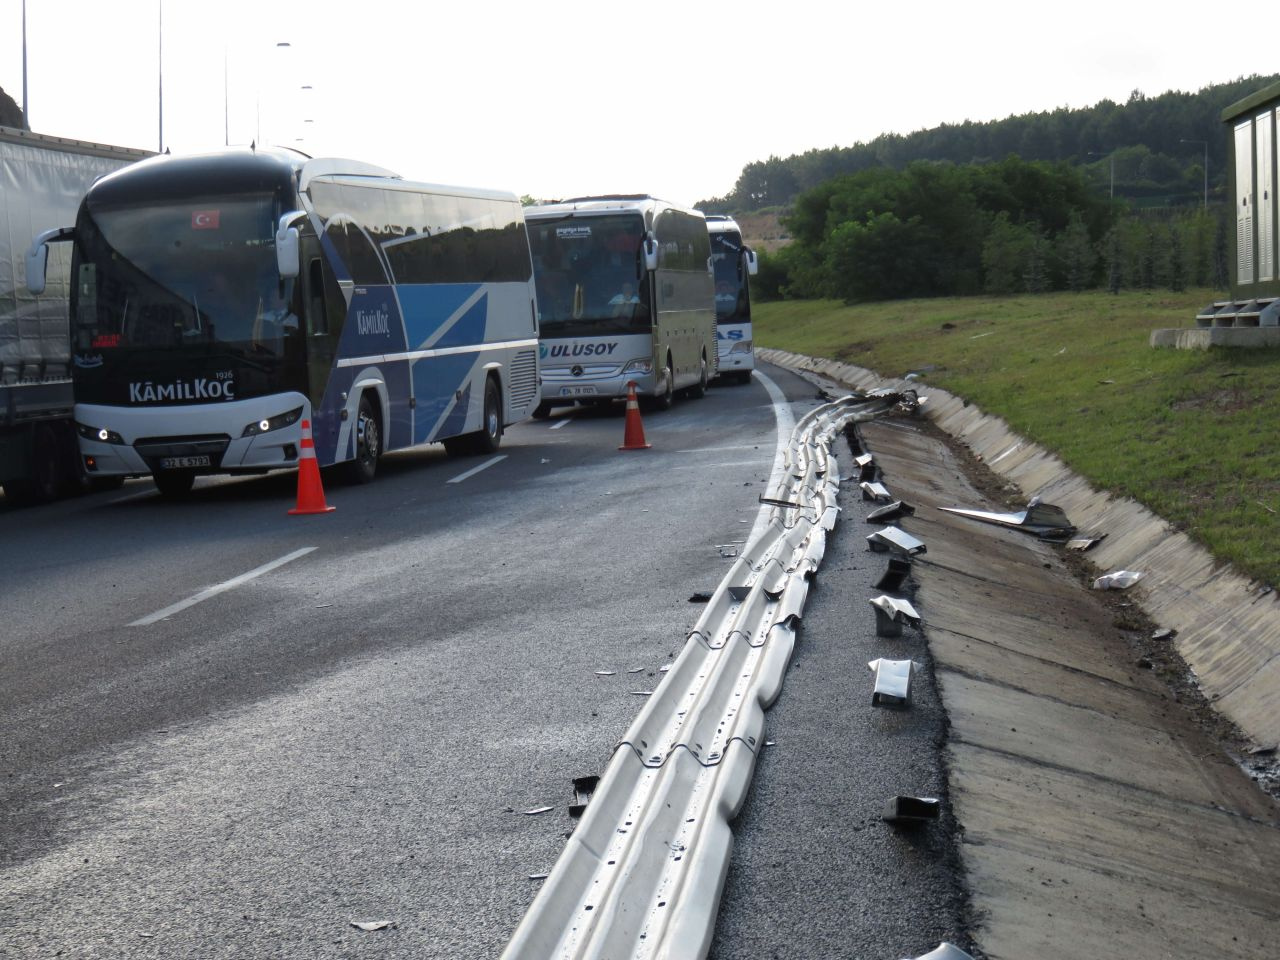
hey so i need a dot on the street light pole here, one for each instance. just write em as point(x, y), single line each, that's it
point(160, 67)
point(1205, 144)
point(26, 111)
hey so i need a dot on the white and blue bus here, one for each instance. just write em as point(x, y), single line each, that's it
point(734, 261)
point(625, 295)
point(222, 299)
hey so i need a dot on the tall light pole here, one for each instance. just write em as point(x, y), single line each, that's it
point(160, 67)
point(1112, 155)
point(1205, 143)
point(26, 113)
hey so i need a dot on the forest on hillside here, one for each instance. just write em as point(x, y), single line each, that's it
point(1152, 149)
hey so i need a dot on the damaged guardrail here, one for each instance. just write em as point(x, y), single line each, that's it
point(642, 874)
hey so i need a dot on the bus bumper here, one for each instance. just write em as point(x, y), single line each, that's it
point(571, 389)
point(226, 438)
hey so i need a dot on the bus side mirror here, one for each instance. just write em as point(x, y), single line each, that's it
point(650, 253)
point(288, 246)
point(38, 256)
point(753, 263)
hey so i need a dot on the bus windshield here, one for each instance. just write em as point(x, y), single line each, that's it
point(195, 273)
point(589, 274)
point(732, 303)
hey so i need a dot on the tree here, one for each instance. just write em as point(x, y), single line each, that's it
point(1076, 254)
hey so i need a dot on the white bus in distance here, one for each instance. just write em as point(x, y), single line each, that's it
point(223, 299)
point(625, 295)
point(733, 262)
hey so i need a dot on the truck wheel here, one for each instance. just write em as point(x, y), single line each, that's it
point(174, 484)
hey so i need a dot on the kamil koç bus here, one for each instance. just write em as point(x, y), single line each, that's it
point(222, 299)
point(734, 261)
point(625, 295)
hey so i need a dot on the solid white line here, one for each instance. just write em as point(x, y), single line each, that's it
point(561, 423)
point(474, 470)
point(743, 446)
point(786, 423)
point(220, 588)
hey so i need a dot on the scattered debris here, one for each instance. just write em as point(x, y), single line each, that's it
point(642, 693)
point(1085, 543)
point(911, 809)
point(1262, 751)
point(664, 668)
point(537, 876)
point(636, 670)
point(605, 673)
point(893, 681)
point(368, 926)
point(1043, 519)
point(1164, 634)
point(538, 810)
point(896, 540)
point(1106, 381)
point(775, 502)
point(945, 951)
point(728, 552)
point(876, 491)
point(891, 614)
point(700, 597)
point(583, 788)
point(892, 511)
point(770, 743)
point(1117, 580)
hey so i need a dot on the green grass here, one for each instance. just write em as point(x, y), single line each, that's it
point(1188, 433)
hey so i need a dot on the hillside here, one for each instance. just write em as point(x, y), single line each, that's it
point(10, 112)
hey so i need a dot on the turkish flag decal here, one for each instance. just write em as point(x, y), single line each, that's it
point(204, 219)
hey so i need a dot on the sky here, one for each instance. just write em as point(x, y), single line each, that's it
point(566, 98)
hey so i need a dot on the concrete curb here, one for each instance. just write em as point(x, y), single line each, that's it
point(1228, 626)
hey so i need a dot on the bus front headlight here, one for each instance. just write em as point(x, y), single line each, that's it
point(272, 423)
point(101, 434)
point(742, 346)
point(644, 367)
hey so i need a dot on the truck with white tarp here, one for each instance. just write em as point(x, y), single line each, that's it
point(42, 181)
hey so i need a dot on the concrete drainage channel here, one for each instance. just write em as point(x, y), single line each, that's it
point(642, 874)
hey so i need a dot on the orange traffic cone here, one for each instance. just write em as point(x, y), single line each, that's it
point(310, 493)
point(633, 436)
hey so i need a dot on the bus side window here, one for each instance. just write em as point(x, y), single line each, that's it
point(316, 312)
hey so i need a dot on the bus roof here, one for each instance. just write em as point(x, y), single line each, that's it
point(641, 203)
point(719, 223)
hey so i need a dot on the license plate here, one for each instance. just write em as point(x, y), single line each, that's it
point(179, 463)
point(577, 391)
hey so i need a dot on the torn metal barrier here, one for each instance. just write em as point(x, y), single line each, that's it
point(876, 491)
point(642, 874)
point(911, 809)
point(944, 951)
point(583, 788)
point(893, 681)
point(895, 575)
point(1085, 543)
point(866, 465)
point(895, 540)
point(893, 511)
point(1042, 519)
point(891, 614)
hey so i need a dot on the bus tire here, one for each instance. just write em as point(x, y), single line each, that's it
point(489, 438)
point(174, 484)
point(699, 390)
point(368, 445)
point(667, 397)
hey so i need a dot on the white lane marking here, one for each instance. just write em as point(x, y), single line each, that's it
point(741, 446)
point(786, 423)
point(220, 588)
point(561, 423)
point(474, 470)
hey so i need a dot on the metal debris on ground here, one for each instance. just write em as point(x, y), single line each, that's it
point(1085, 543)
point(895, 540)
point(1043, 519)
point(775, 502)
point(876, 491)
point(728, 552)
point(893, 681)
point(700, 597)
point(892, 511)
point(538, 810)
point(636, 670)
point(642, 693)
point(911, 809)
point(370, 925)
point(897, 573)
point(1117, 580)
point(944, 951)
point(537, 876)
point(583, 788)
point(891, 614)
point(605, 673)
point(1164, 634)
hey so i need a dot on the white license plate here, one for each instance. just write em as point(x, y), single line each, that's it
point(178, 463)
point(577, 391)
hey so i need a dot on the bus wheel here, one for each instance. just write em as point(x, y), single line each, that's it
point(664, 400)
point(700, 391)
point(489, 438)
point(174, 484)
point(368, 445)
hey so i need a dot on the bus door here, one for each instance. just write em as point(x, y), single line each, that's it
point(325, 312)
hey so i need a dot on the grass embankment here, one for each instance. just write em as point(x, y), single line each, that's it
point(1191, 434)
